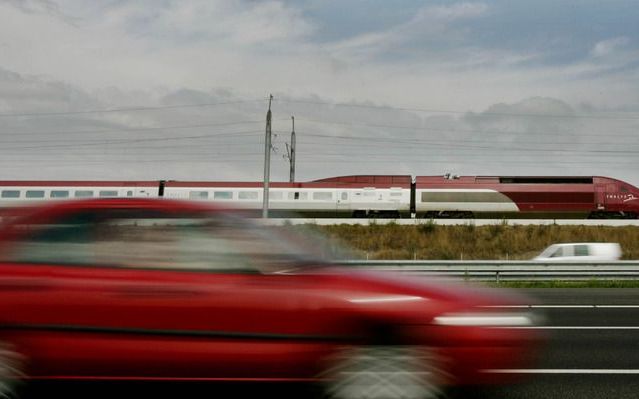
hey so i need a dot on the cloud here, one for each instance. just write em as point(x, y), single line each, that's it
point(457, 95)
point(197, 21)
point(34, 6)
point(429, 25)
point(47, 8)
point(220, 137)
point(606, 47)
point(452, 12)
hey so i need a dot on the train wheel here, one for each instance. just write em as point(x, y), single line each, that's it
point(359, 214)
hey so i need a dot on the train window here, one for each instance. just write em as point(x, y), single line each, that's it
point(108, 193)
point(83, 193)
point(322, 195)
point(10, 193)
point(558, 253)
point(545, 180)
point(276, 195)
point(247, 195)
point(198, 194)
point(59, 194)
point(35, 194)
point(369, 193)
point(624, 189)
point(395, 194)
point(129, 193)
point(344, 196)
point(223, 195)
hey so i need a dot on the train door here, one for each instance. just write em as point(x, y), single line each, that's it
point(343, 201)
point(600, 196)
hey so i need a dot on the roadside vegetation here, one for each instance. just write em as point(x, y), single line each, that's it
point(429, 241)
point(593, 283)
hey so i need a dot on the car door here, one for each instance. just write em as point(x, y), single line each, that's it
point(137, 296)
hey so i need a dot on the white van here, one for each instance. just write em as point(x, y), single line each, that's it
point(584, 251)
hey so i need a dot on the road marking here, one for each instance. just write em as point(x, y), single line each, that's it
point(562, 371)
point(575, 327)
point(563, 306)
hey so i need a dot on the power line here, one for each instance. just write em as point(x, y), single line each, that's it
point(135, 129)
point(256, 159)
point(131, 141)
point(443, 111)
point(126, 109)
point(393, 140)
point(399, 140)
point(390, 146)
point(426, 128)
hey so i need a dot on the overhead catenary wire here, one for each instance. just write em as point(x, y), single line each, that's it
point(456, 145)
point(256, 160)
point(632, 133)
point(617, 115)
point(470, 149)
point(132, 141)
point(130, 129)
point(125, 109)
point(446, 111)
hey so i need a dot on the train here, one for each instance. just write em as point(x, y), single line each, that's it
point(372, 196)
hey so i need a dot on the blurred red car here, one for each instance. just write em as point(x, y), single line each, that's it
point(162, 290)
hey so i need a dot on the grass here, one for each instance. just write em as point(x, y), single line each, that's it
point(568, 284)
point(429, 241)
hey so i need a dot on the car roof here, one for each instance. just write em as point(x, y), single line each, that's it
point(564, 244)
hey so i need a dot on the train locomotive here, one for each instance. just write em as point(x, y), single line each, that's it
point(383, 196)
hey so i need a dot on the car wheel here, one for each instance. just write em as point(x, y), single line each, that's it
point(384, 372)
point(10, 370)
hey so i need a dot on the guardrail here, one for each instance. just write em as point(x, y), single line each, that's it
point(455, 222)
point(510, 270)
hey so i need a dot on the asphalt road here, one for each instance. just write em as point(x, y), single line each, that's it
point(592, 352)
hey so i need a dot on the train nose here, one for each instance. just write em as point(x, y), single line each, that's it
point(632, 205)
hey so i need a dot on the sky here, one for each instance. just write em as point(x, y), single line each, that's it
point(178, 89)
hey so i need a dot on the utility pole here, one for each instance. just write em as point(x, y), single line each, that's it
point(290, 153)
point(267, 159)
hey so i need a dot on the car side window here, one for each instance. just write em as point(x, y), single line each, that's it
point(136, 241)
point(559, 252)
point(581, 250)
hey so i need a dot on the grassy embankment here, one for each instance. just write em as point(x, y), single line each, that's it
point(429, 241)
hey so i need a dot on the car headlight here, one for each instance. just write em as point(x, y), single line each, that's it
point(486, 319)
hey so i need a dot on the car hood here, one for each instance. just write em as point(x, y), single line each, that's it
point(434, 288)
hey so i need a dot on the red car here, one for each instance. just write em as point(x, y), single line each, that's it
point(149, 289)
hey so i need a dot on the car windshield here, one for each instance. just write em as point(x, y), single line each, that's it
point(140, 239)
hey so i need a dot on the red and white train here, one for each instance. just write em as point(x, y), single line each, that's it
point(391, 196)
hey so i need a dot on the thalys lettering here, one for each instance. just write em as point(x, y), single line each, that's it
point(384, 196)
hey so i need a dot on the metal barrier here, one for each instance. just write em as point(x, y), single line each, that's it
point(456, 222)
point(509, 270)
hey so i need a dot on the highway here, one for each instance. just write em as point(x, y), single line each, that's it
point(592, 352)
point(592, 349)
